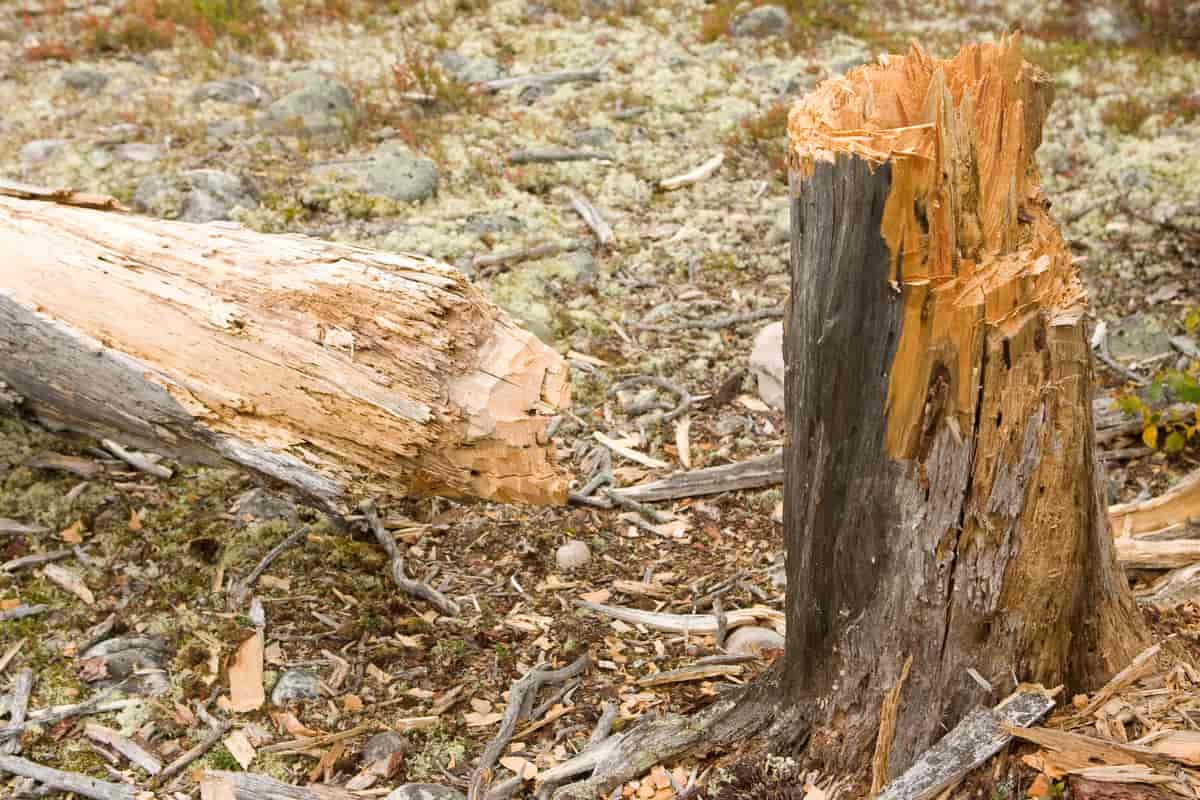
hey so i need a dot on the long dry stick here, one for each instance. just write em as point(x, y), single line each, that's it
point(403, 582)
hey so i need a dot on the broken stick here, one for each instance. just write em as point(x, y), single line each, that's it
point(403, 582)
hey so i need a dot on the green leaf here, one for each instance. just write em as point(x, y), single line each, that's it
point(1154, 392)
point(1130, 404)
point(1175, 442)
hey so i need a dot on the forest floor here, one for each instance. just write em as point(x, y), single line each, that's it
point(357, 121)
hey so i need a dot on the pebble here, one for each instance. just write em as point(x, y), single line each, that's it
point(468, 70)
point(40, 150)
point(383, 745)
point(761, 22)
point(391, 171)
point(573, 554)
point(137, 660)
point(321, 106)
point(752, 640)
point(83, 80)
point(238, 91)
point(296, 684)
point(598, 138)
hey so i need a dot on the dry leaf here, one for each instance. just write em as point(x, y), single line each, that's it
point(352, 704)
point(8, 603)
point(240, 748)
point(70, 581)
point(475, 720)
point(135, 520)
point(1039, 788)
point(271, 582)
point(480, 706)
point(520, 766)
point(73, 534)
point(287, 721)
point(599, 596)
point(274, 653)
point(246, 676)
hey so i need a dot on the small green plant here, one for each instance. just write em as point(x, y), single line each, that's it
point(1163, 427)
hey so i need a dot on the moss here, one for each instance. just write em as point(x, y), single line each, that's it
point(434, 751)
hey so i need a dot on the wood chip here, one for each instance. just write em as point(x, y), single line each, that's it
point(240, 748)
point(1138, 667)
point(69, 581)
point(629, 453)
point(246, 691)
point(213, 787)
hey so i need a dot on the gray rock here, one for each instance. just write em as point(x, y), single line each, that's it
point(83, 80)
point(761, 22)
point(425, 791)
point(137, 661)
point(572, 555)
point(321, 106)
point(199, 195)
point(294, 685)
point(752, 640)
point(239, 91)
point(1110, 25)
point(215, 194)
point(390, 171)
point(138, 152)
point(598, 138)
point(468, 70)
point(493, 223)
point(259, 505)
point(383, 745)
point(766, 363)
point(40, 150)
point(1138, 336)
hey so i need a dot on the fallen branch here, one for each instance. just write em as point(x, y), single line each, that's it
point(520, 703)
point(132, 751)
point(307, 744)
point(138, 461)
point(1149, 554)
point(66, 781)
point(1173, 507)
point(979, 736)
point(694, 672)
point(18, 707)
point(180, 764)
point(545, 155)
point(694, 176)
point(1136, 668)
point(403, 582)
point(240, 590)
point(716, 323)
point(592, 218)
point(35, 560)
point(1177, 586)
point(528, 254)
point(698, 624)
point(21, 612)
point(754, 473)
point(54, 714)
point(595, 73)
point(685, 398)
point(12, 527)
point(249, 786)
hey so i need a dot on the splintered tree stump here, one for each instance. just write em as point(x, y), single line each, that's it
point(339, 370)
point(942, 496)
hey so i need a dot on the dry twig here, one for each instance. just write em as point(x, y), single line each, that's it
point(403, 582)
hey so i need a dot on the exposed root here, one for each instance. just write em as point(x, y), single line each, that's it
point(404, 583)
point(624, 756)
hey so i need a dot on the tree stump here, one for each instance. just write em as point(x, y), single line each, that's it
point(339, 370)
point(942, 497)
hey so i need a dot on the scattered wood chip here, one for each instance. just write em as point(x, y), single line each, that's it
point(624, 451)
point(213, 787)
point(246, 691)
point(1138, 667)
point(69, 581)
point(520, 766)
point(240, 748)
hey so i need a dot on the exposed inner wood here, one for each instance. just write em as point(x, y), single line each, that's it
point(338, 369)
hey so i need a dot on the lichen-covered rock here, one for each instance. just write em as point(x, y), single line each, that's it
point(137, 661)
point(82, 79)
point(383, 745)
point(40, 150)
point(198, 195)
point(573, 555)
point(468, 70)
point(295, 685)
point(391, 171)
point(319, 107)
point(766, 363)
point(239, 91)
point(761, 22)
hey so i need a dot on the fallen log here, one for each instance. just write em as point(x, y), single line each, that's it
point(1174, 507)
point(336, 369)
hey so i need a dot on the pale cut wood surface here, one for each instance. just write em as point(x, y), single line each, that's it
point(336, 369)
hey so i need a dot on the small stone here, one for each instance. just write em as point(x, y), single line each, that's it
point(136, 660)
point(766, 363)
point(83, 80)
point(572, 555)
point(138, 152)
point(215, 194)
point(239, 91)
point(479, 224)
point(425, 791)
point(598, 138)
point(468, 70)
point(260, 505)
point(753, 640)
point(320, 107)
point(390, 171)
point(383, 745)
point(156, 195)
point(294, 685)
point(761, 22)
point(40, 150)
